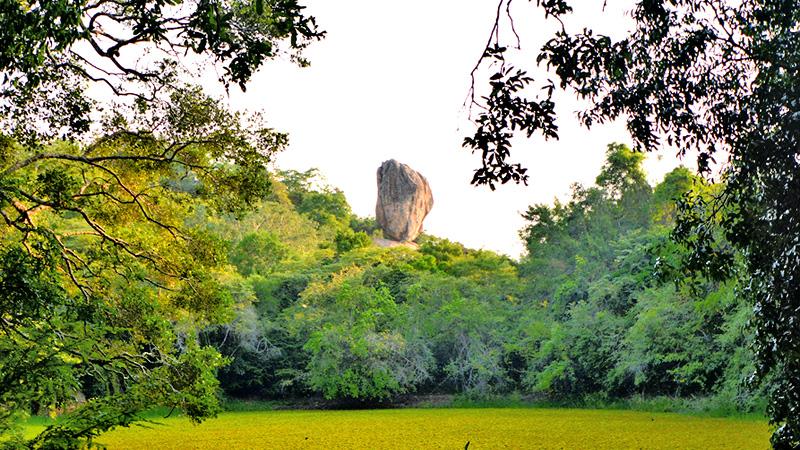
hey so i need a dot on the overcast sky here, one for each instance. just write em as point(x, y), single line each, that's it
point(389, 81)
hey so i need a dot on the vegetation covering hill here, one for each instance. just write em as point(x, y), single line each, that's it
point(285, 297)
point(113, 272)
point(595, 311)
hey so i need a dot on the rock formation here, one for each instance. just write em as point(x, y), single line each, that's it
point(404, 199)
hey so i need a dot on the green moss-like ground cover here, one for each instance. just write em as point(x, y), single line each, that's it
point(447, 429)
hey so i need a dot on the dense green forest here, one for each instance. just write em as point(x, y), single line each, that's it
point(134, 270)
point(596, 310)
point(149, 259)
point(286, 297)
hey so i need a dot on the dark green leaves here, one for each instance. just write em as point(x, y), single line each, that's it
point(57, 187)
point(719, 79)
point(505, 112)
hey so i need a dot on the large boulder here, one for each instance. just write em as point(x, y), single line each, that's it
point(404, 199)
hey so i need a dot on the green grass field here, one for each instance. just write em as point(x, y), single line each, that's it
point(447, 429)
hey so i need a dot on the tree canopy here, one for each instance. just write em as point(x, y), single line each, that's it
point(581, 317)
point(108, 270)
point(148, 257)
point(712, 77)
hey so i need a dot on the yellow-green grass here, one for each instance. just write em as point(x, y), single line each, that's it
point(446, 429)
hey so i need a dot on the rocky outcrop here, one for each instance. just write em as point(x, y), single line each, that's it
point(404, 199)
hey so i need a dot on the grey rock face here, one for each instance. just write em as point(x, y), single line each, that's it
point(404, 199)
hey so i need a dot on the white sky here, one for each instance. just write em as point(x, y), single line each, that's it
point(389, 81)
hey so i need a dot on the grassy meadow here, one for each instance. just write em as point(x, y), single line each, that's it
point(448, 428)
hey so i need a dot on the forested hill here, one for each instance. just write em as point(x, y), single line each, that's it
point(595, 310)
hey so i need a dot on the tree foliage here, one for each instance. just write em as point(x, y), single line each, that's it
point(108, 275)
point(105, 278)
point(136, 48)
point(716, 78)
point(593, 312)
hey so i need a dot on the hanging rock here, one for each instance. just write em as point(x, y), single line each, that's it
point(404, 199)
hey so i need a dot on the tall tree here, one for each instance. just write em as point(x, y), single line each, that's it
point(718, 78)
point(105, 270)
